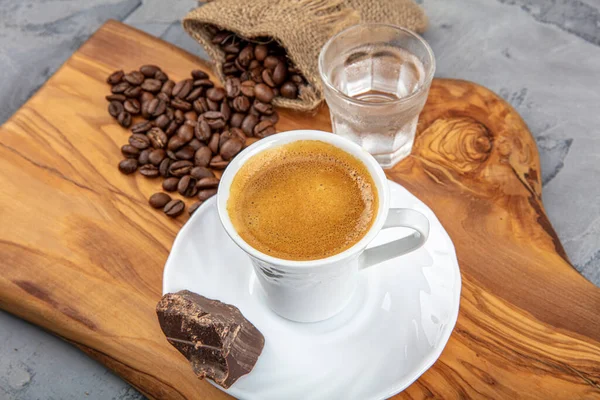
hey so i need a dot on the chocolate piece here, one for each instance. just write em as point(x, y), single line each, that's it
point(215, 337)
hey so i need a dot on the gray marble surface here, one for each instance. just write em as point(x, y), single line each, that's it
point(541, 56)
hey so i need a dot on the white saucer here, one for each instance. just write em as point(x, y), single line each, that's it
point(393, 330)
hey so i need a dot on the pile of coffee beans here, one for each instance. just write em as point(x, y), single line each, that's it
point(260, 63)
point(185, 130)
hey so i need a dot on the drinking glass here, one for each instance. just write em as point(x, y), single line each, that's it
point(376, 78)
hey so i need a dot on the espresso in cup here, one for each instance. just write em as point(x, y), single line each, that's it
point(305, 200)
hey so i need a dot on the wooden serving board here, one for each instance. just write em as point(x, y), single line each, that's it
point(82, 253)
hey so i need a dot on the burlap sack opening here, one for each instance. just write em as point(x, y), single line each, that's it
point(301, 27)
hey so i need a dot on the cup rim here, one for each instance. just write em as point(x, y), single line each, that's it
point(420, 89)
point(291, 136)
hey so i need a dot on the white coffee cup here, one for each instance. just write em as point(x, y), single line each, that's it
point(310, 291)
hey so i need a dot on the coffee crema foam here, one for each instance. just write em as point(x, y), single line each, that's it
point(304, 200)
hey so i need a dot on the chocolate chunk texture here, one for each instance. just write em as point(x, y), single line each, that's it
point(215, 337)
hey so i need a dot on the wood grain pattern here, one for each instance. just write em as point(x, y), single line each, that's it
point(82, 253)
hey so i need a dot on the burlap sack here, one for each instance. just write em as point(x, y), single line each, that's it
point(301, 26)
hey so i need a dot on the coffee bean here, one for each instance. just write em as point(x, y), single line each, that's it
point(232, 87)
point(132, 106)
point(178, 116)
point(134, 78)
point(213, 143)
point(159, 200)
point(115, 108)
point(267, 77)
point(237, 132)
point(163, 168)
point(246, 55)
point(139, 141)
point(215, 94)
point(253, 64)
point(241, 104)
point(263, 93)
point(172, 128)
point(225, 110)
point(214, 119)
point(221, 37)
point(275, 92)
point(263, 108)
point(260, 52)
point(146, 96)
point(144, 157)
point(202, 130)
point(158, 138)
point(182, 88)
point(196, 144)
point(156, 107)
point(185, 153)
point(128, 166)
point(174, 208)
point(256, 74)
point(129, 151)
point(157, 156)
point(217, 162)
point(170, 184)
point(133, 91)
point(289, 90)
point(271, 62)
point(120, 87)
point(236, 120)
point(248, 124)
point(206, 194)
point(164, 97)
point(245, 76)
point(161, 76)
point(297, 79)
point(149, 171)
point(207, 183)
point(224, 136)
point(202, 156)
point(144, 112)
point(149, 70)
point(254, 111)
point(187, 186)
point(182, 105)
point(180, 168)
point(200, 105)
point(115, 77)
point(230, 57)
point(230, 148)
point(175, 143)
point(213, 105)
point(194, 94)
point(201, 172)
point(273, 117)
point(264, 129)
point(232, 48)
point(199, 74)
point(186, 133)
point(190, 116)
point(162, 121)
point(124, 119)
point(247, 88)
point(204, 83)
point(192, 209)
point(280, 73)
point(152, 85)
point(116, 97)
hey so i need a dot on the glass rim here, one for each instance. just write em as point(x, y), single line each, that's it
point(426, 81)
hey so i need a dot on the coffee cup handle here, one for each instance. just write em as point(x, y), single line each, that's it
point(398, 217)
